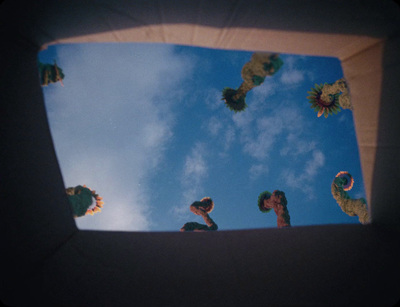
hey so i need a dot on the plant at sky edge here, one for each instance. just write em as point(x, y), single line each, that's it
point(253, 74)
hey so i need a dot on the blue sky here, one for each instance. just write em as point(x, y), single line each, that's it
point(144, 125)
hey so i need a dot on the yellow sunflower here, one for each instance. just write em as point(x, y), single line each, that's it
point(322, 106)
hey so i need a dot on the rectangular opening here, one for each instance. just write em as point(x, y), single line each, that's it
point(145, 126)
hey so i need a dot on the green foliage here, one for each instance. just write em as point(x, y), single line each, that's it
point(48, 73)
point(234, 105)
point(340, 181)
point(191, 226)
point(283, 200)
point(80, 199)
point(339, 192)
point(198, 204)
point(274, 65)
point(257, 80)
point(286, 215)
point(352, 207)
point(329, 107)
point(261, 197)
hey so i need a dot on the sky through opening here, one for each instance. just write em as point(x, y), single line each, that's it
point(144, 125)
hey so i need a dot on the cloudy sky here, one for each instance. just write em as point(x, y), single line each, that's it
point(144, 125)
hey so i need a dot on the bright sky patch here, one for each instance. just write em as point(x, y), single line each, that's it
point(144, 125)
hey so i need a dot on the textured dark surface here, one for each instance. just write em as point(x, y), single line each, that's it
point(47, 261)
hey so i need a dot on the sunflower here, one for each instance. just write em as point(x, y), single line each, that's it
point(347, 179)
point(81, 200)
point(321, 106)
point(99, 202)
point(209, 204)
point(236, 105)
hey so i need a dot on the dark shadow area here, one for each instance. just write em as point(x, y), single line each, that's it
point(388, 150)
point(47, 262)
point(297, 266)
point(372, 18)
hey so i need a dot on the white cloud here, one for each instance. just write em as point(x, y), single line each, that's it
point(213, 125)
point(111, 123)
point(243, 119)
point(260, 146)
point(213, 98)
point(295, 145)
point(195, 170)
point(258, 135)
point(290, 61)
point(317, 161)
point(181, 212)
point(292, 76)
point(229, 137)
point(195, 166)
point(265, 90)
point(127, 214)
point(219, 128)
point(125, 205)
point(257, 170)
point(303, 181)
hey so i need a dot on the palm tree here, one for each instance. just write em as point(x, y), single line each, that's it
point(202, 208)
point(342, 183)
point(253, 74)
point(327, 98)
point(50, 73)
point(277, 201)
